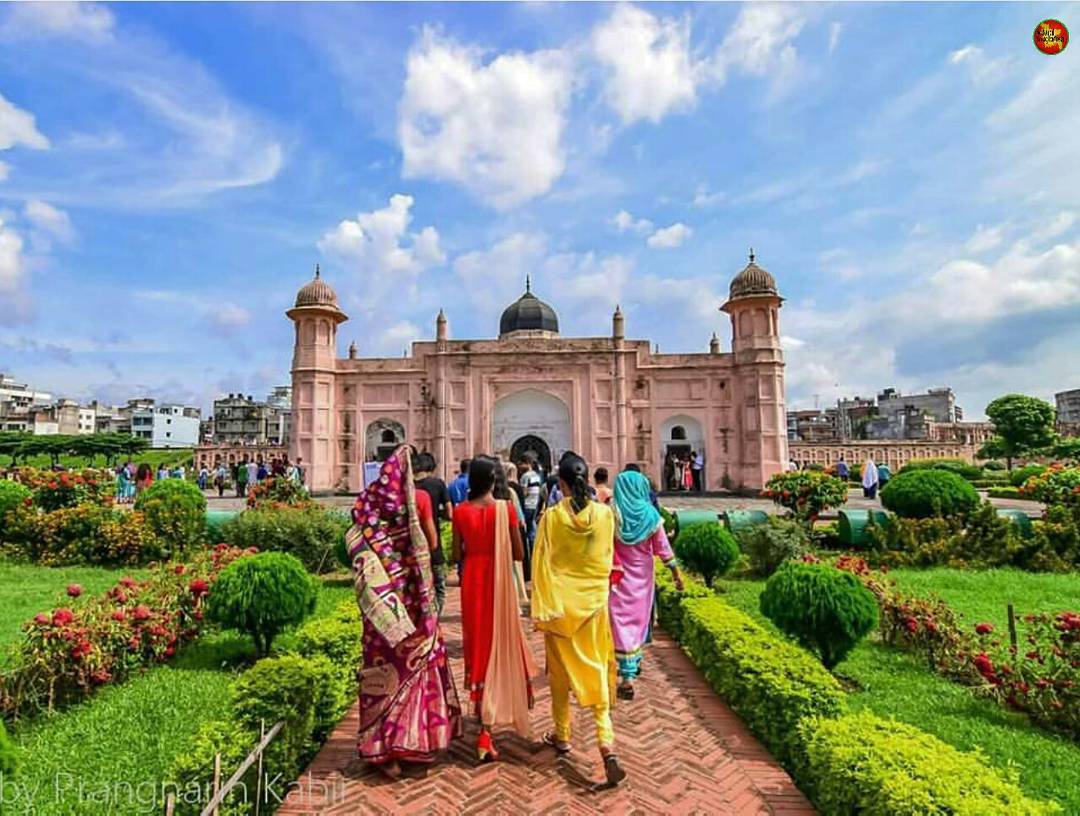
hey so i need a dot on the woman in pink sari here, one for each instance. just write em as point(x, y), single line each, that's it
point(409, 708)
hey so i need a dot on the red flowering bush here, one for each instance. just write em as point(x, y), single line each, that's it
point(65, 654)
point(278, 491)
point(806, 493)
point(1055, 485)
point(84, 534)
point(69, 488)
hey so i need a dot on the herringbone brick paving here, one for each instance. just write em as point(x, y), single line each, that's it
point(684, 750)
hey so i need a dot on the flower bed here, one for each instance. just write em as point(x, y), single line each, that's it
point(278, 491)
point(798, 710)
point(53, 490)
point(806, 493)
point(68, 652)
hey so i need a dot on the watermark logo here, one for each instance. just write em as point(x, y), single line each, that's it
point(1051, 36)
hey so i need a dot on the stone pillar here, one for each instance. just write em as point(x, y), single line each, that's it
point(618, 335)
point(442, 399)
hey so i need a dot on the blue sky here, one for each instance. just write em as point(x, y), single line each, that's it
point(170, 174)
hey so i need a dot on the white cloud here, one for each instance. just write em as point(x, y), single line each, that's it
point(11, 260)
point(18, 127)
point(650, 72)
point(986, 238)
point(379, 248)
point(835, 30)
point(624, 222)
point(496, 127)
point(981, 68)
point(492, 278)
point(5, 170)
point(703, 197)
point(229, 316)
point(670, 237)
point(81, 20)
point(761, 42)
point(222, 316)
point(587, 283)
point(50, 220)
point(395, 339)
point(1060, 223)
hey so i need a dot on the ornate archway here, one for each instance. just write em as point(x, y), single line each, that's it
point(531, 413)
point(382, 438)
point(532, 448)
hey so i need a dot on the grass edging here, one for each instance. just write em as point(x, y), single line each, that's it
point(798, 710)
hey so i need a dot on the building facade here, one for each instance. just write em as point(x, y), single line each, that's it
point(166, 426)
point(1068, 407)
point(893, 452)
point(611, 399)
point(240, 420)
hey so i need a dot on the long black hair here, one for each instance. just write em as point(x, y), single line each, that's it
point(482, 471)
point(574, 472)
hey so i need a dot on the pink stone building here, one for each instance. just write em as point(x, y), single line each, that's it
point(611, 399)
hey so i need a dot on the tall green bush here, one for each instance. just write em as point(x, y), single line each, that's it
point(771, 544)
point(175, 511)
point(261, 596)
point(824, 609)
point(12, 496)
point(1019, 476)
point(928, 493)
point(311, 534)
point(707, 548)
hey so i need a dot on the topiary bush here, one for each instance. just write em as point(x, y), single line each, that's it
point(806, 493)
point(7, 754)
point(281, 688)
point(707, 548)
point(261, 596)
point(12, 496)
point(994, 464)
point(311, 534)
point(824, 609)
point(961, 468)
point(771, 544)
point(175, 511)
point(925, 493)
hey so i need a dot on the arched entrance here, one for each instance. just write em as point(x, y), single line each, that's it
point(383, 437)
point(531, 414)
point(532, 448)
point(681, 437)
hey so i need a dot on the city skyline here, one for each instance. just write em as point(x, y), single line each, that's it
point(914, 204)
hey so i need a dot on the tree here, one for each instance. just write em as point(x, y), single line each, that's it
point(1022, 425)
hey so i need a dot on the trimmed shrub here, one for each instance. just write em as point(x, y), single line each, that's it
point(861, 763)
point(85, 534)
point(961, 468)
point(175, 511)
point(928, 493)
point(771, 544)
point(281, 688)
point(824, 609)
point(7, 753)
point(1007, 492)
point(994, 464)
point(1018, 477)
point(261, 596)
point(770, 683)
point(669, 601)
point(707, 548)
point(12, 495)
point(806, 493)
point(311, 534)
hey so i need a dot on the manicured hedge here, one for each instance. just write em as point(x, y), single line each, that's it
point(175, 512)
point(1007, 493)
point(310, 533)
point(862, 763)
point(771, 683)
point(310, 690)
point(925, 493)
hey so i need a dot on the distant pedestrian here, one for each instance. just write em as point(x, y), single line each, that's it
point(870, 479)
point(697, 468)
point(842, 469)
point(163, 473)
point(459, 487)
point(252, 473)
point(531, 482)
point(204, 477)
point(241, 479)
point(221, 476)
point(792, 465)
point(144, 477)
point(883, 474)
point(603, 489)
point(262, 472)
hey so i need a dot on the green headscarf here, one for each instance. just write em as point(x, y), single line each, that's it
point(636, 516)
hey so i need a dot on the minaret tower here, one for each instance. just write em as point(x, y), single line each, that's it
point(316, 316)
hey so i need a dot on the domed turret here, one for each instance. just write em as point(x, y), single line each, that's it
point(317, 292)
point(753, 281)
point(528, 314)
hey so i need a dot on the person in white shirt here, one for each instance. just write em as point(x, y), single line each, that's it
point(252, 473)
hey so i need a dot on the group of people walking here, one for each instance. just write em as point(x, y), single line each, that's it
point(590, 569)
point(132, 480)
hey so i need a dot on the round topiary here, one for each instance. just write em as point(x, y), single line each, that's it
point(7, 754)
point(771, 544)
point(261, 595)
point(929, 493)
point(12, 495)
point(707, 548)
point(826, 610)
point(175, 511)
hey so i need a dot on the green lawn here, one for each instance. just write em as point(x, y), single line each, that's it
point(894, 683)
point(130, 733)
point(26, 589)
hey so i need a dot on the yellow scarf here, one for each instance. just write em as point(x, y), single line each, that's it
point(571, 566)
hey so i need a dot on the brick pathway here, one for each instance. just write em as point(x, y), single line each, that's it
point(685, 752)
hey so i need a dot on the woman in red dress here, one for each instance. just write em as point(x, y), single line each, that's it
point(498, 664)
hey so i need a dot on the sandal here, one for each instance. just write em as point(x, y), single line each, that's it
point(625, 691)
point(613, 770)
point(549, 739)
point(485, 748)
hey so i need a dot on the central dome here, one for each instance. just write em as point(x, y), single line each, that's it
point(528, 313)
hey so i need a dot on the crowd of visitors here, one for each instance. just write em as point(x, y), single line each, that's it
point(132, 480)
point(576, 553)
point(873, 476)
point(684, 471)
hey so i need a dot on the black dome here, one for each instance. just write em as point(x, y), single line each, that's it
point(528, 313)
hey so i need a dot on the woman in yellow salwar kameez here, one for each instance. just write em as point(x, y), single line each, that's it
point(572, 573)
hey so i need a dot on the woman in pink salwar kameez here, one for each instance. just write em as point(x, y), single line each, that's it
point(409, 708)
point(639, 538)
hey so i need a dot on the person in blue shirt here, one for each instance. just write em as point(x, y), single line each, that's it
point(842, 469)
point(459, 488)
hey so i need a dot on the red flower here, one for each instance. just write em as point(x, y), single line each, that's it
point(984, 628)
point(119, 615)
point(81, 649)
point(141, 612)
point(74, 590)
point(100, 677)
point(199, 587)
point(169, 652)
point(912, 625)
point(179, 569)
point(128, 582)
point(930, 626)
point(62, 617)
point(28, 501)
point(42, 619)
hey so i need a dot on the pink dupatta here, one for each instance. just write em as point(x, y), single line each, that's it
point(508, 692)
